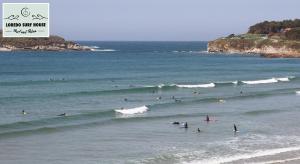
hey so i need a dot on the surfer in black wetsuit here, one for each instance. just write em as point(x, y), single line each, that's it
point(23, 112)
point(207, 118)
point(198, 130)
point(177, 100)
point(63, 114)
point(176, 123)
point(186, 125)
point(235, 128)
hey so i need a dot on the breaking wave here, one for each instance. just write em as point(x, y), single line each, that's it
point(103, 50)
point(256, 154)
point(137, 110)
point(266, 81)
point(210, 85)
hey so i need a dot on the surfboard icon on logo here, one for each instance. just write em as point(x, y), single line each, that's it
point(25, 19)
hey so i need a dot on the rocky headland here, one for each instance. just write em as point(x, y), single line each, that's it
point(53, 43)
point(269, 39)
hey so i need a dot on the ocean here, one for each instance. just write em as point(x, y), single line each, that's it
point(120, 102)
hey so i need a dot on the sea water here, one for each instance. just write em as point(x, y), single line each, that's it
point(120, 101)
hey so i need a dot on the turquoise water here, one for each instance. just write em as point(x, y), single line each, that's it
point(158, 83)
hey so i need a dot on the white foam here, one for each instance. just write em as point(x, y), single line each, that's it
point(235, 82)
point(283, 79)
point(103, 50)
point(161, 85)
point(94, 47)
point(260, 153)
point(210, 85)
point(136, 110)
point(278, 161)
point(265, 81)
point(298, 92)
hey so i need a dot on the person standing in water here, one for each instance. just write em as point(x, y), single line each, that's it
point(207, 118)
point(235, 128)
point(186, 125)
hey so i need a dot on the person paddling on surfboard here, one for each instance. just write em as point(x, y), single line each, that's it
point(176, 123)
point(63, 114)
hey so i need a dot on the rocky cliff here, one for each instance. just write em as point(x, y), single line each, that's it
point(284, 43)
point(53, 43)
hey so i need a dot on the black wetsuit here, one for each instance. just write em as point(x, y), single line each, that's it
point(235, 128)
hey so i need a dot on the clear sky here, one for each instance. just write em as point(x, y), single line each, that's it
point(161, 20)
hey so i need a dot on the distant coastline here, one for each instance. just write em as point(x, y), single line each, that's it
point(269, 39)
point(53, 43)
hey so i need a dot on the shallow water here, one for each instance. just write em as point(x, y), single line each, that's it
point(176, 81)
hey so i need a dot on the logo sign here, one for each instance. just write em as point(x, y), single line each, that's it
point(25, 19)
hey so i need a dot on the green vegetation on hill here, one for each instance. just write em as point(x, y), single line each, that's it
point(271, 39)
point(287, 29)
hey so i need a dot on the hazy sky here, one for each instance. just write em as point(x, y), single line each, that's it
point(166, 20)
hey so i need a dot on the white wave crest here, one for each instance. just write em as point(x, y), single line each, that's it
point(298, 92)
point(94, 47)
point(210, 85)
point(235, 82)
point(260, 153)
point(103, 50)
point(161, 85)
point(136, 110)
point(265, 81)
point(283, 79)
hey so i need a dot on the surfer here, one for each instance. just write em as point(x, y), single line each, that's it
point(176, 123)
point(185, 125)
point(63, 114)
point(23, 112)
point(177, 100)
point(241, 92)
point(198, 130)
point(125, 99)
point(158, 98)
point(207, 118)
point(235, 128)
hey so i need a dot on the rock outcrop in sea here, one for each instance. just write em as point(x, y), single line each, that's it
point(53, 43)
point(269, 39)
